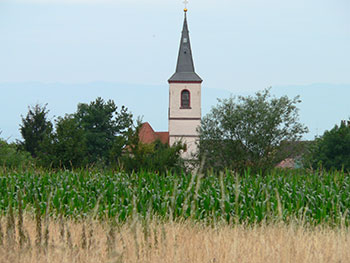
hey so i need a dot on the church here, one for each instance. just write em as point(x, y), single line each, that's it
point(184, 112)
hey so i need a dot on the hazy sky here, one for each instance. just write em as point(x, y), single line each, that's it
point(238, 45)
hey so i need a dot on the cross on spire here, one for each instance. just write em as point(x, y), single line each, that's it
point(186, 3)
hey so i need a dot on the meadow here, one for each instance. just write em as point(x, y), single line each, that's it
point(134, 242)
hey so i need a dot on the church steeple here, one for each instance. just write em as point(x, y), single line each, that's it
point(185, 67)
point(185, 89)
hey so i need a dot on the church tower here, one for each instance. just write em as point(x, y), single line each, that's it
point(185, 98)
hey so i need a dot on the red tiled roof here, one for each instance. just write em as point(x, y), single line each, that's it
point(163, 136)
point(148, 135)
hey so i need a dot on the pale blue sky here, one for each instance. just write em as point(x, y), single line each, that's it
point(239, 46)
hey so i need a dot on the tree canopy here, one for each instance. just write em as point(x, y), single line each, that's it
point(332, 149)
point(97, 134)
point(94, 134)
point(103, 126)
point(242, 132)
point(35, 128)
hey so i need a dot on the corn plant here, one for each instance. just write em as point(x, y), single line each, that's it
point(313, 198)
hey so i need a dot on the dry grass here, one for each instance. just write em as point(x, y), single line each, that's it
point(65, 241)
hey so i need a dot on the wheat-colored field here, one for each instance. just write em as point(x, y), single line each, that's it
point(89, 241)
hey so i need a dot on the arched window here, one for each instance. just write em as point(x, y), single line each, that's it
point(185, 99)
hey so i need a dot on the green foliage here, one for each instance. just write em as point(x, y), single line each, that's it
point(35, 129)
point(248, 131)
point(332, 149)
point(156, 157)
point(95, 134)
point(311, 198)
point(98, 135)
point(67, 146)
point(103, 127)
point(12, 157)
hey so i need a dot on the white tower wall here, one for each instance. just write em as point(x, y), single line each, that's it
point(184, 122)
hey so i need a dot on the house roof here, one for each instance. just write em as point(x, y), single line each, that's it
point(163, 136)
point(185, 67)
point(286, 163)
point(148, 135)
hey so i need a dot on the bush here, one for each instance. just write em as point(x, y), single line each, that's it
point(156, 157)
point(12, 157)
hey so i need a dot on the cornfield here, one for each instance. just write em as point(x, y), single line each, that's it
point(287, 196)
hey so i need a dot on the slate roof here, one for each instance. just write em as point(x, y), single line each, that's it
point(185, 67)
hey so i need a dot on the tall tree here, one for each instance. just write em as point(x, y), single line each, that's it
point(35, 128)
point(248, 131)
point(69, 143)
point(103, 125)
point(332, 149)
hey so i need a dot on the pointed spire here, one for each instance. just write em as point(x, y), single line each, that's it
point(185, 67)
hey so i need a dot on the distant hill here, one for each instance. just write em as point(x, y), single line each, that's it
point(323, 105)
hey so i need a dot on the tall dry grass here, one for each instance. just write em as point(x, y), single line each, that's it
point(59, 240)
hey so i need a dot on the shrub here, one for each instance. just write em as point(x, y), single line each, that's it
point(12, 157)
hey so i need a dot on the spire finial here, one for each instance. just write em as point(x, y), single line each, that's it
point(185, 2)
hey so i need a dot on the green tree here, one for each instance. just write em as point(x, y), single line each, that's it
point(332, 149)
point(12, 157)
point(103, 127)
point(156, 157)
point(248, 131)
point(35, 128)
point(68, 145)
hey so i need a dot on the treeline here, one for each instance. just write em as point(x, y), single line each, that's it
point(239, 133)
point(98, 134)
point(254, 131)
point(259, 132)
